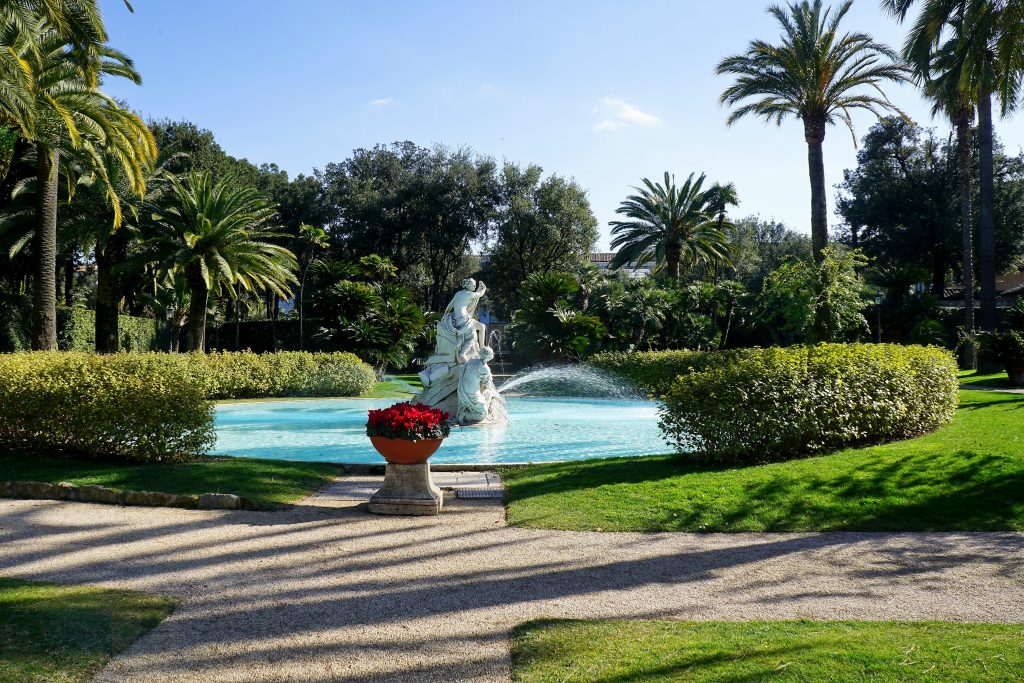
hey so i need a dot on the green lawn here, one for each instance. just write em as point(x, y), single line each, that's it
point(968, 475)
point(264, 482)
point(396, 389)
point(50, 632)
point(634, 651)
point(985, 379)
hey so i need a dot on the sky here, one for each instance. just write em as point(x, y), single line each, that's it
point(605, 92)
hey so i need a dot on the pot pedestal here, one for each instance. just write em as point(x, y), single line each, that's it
point(407, 490)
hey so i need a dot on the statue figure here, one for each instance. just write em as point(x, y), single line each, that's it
point(476, 389)
point(456, 378)
point(459, 335)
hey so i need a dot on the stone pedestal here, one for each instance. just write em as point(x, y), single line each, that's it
point(407, 490)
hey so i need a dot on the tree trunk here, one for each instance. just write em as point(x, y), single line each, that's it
point(986, 222)
point(199, 296)
point(673, 255)
point(44, 295)
point(108, 291)
point(814, 134)
point(302, 289)
point(963, 161)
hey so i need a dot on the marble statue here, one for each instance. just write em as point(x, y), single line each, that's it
point(456, 378)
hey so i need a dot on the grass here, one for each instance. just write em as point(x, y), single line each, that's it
point(50, 632)
point(396, 389)
point(968, 475)
point(264, 482)
point(633, 651)
point(985, 379)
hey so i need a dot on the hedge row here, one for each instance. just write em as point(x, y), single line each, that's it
point(655, 371)
point(230, 375)
point(153, 406)
point(76, 329)
point(779, 403)
point(119, 406)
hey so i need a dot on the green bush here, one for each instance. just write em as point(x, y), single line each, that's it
point(76, 329)
point(118, 406)
point(655, 372)
point(779, 403)
point(231, 375)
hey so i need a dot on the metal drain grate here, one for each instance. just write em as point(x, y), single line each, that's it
point(480, 492)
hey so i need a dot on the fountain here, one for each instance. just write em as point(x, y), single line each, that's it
point(457, 378)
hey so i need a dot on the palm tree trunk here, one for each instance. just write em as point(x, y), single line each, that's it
point(196, 309)
point(673, 255)
point(108, 292)
point(963, 161)
point(44, 295)
point(814, 134)
point(302, 289)
point(986, 222)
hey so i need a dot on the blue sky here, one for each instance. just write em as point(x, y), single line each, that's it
point(605, 92)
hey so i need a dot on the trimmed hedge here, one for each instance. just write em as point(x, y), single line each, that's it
point(229, 375)
point(76, 329)
point(780, 403)
point(655, 372)
point(120, 406)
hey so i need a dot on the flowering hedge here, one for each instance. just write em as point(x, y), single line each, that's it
point(121, 406)
point(779, 403)
point(409, 421)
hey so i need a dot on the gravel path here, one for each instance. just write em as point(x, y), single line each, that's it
point(317, 594)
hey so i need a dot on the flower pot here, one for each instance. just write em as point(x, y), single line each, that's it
point(403, 451)
point(1016, 374)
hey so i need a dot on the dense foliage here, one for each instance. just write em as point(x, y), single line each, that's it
point(409, 421)
point(122, 406)
point(655, 372)
point(780, 403)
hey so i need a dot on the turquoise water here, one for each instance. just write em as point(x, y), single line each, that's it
point(539, 429)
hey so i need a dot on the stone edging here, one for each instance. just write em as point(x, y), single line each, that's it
point(368, 468)
point(38, 490)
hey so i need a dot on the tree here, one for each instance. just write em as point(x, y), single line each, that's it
point(216, 234)
point(811, 302)
point(900, 201)
point(74, 118)
point(548, 326)
point(817, 75)
point(309, 241)
point(670, 224)
point(542, 226)
point(987, 46)
point(758, 247)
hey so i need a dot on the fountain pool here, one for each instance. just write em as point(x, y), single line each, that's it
point(539, 430)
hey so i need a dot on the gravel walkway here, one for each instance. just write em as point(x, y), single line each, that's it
point(332, 593)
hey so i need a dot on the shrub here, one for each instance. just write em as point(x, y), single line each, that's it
point(119, 406)
point(779, 403)
point(655, 372)
point(1007, 349)
point(76, 328)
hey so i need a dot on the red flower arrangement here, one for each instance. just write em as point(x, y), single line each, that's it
point(409, 421)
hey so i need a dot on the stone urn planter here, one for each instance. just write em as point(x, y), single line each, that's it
point(407, 434)
point(403, 451)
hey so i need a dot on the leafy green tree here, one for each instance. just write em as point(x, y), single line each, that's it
point(674, 225)
point(811, 302)
point(543, 225)
point(901, 200)
point(310, 240)
point(217, 235)
point(758, 247)
point(816, 74)
point(986, 42)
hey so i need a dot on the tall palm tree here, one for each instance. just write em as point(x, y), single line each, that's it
point(310, 239)
point(72, 117)
point(720, 198)
point(817, 75)
point(673, 225)
point(943, 87)
point(988, 43)
point(218, 236)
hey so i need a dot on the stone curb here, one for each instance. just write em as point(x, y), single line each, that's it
point(38, 490)
point(365, 469)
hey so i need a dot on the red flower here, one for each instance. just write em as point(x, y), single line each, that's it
point(408, 421)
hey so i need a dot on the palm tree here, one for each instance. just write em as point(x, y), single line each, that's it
point(988, 46)
point(670, 224)
point(219, 237)
point(74, 118)
point(310, 239)
point(720, 198)
point(943, 87)
point(817, 75)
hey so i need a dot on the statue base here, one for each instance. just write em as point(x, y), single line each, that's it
point(407, 490)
